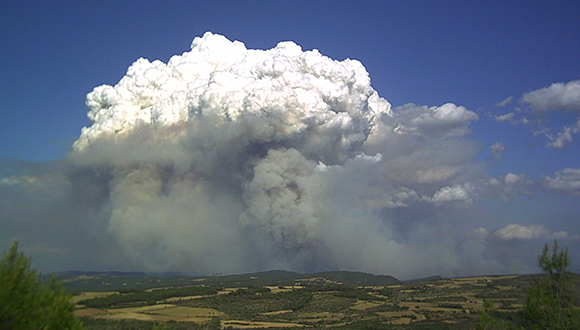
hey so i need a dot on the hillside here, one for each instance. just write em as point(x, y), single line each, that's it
point(77, 281)
point(281, 299)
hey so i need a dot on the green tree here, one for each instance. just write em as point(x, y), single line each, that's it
point(158, 326)
point(489, 319)
point(549, 300)
point(28, 303)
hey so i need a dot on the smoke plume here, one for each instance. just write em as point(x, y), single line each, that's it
point(227, 159)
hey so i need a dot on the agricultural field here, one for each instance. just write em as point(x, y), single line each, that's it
point(329, 301)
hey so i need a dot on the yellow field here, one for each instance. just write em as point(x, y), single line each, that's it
point(157, 313)
point(324, 316)
point(234, 324)
point(362, 305)
point(275, 289)
point(278, 312)
point(89, 295)
point(172, 299)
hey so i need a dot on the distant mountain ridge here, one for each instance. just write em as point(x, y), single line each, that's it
point(69, 273)
point(75, 280)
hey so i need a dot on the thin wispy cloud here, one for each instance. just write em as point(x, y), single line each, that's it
point(504, 102)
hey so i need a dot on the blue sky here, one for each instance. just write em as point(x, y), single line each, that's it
point(474, 54)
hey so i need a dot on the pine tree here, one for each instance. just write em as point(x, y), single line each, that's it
point(489, 319)
point(549, 300)
point(28, 303)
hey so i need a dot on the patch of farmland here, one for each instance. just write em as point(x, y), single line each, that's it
point(173, 299)
point(278, 312)
point(90, 295)
point(238, 324)
point(362, 305)
point(402, 317)
point(162, 312)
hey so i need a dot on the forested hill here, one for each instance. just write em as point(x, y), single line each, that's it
point(76, 281)
point(357, 278)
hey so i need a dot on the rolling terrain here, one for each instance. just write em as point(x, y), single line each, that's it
point(281, 300)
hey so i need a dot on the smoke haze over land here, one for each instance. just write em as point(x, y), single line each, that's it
point(228, 159)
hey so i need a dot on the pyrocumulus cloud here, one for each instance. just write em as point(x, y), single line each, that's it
point(228, 159)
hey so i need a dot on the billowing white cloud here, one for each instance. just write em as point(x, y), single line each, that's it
point(227, 159)
point(321, 106)
point(227, 149)
point(451, 194)
point(565, 181)
point(448, 120)
point(557, 97)
point(222, 142)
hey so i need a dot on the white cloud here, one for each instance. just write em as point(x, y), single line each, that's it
point(510, 186)
point(565, 181)
point(504, 102)
point(565, 136)
point(232, 159)
point(400, 197)
point(437, 174)
point(522, 232)
point(506, 117)
point(557, 97)
point(450, 194)
point(14, 180)
point(446, 120)
point(497, 149)
point(513, 179)
point(480, 233)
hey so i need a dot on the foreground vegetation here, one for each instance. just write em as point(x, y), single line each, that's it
point(26, 302)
